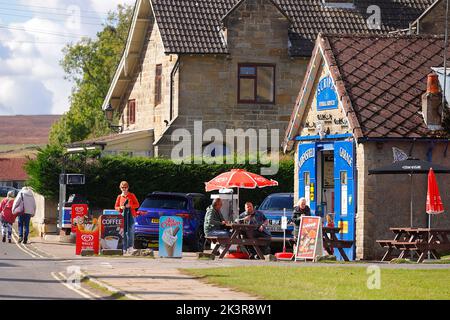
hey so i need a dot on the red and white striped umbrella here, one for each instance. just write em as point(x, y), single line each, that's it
point(239, 178)
point(434, 201)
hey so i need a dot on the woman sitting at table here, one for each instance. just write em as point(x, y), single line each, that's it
point(251, 216)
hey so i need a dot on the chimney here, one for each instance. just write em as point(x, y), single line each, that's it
point(431, 103)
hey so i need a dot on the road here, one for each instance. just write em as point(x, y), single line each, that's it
point(25, 274)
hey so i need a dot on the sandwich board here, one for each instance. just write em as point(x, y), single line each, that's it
point(309, 242)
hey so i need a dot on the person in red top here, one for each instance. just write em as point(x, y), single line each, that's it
point(7, 217)
point(127, 203)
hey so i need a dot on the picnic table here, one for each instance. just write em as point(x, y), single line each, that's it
point(242, 235)
point(331, 242)
point(417, 241)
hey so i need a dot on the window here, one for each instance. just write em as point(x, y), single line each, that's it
point(158, 80)
point(131, 115)
point(256, 83)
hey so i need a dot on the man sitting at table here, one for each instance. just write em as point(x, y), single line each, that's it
point(252, 216)
point(214, 225)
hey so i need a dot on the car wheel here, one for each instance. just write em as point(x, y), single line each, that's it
point(138, 244)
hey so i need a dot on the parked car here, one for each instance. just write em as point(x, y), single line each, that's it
point(190, 206)
point(272, 207)
point(4, 191)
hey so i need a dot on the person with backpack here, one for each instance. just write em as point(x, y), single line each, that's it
point(25, 207)
point(7, 218)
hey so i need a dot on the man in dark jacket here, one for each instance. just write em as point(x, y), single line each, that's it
point(300, 210)
point(252, 216)
point(214, 225)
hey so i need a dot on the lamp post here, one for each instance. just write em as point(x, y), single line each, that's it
point(109, 114)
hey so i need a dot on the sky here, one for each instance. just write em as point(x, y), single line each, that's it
point(32, 36)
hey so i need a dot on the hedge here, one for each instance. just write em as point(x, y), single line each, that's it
point(145, 175)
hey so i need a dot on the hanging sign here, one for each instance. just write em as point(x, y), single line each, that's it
point(78, 212)
point(309, 241)
point(170, 237)
point(326, 94)
point(111, 232)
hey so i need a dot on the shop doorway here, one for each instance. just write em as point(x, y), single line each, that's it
point(325, 181)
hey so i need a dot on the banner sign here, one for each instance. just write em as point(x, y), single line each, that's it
point(87, 237)
point(170, 237)
point(78, 212)
point(111, 232)
point(309, 241)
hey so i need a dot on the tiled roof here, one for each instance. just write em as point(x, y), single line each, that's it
point(26, 129)
point(11, 169)
point(193, 26)
point(385, 77)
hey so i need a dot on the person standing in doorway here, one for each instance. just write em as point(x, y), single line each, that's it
point(26, 204)
point(127, 203)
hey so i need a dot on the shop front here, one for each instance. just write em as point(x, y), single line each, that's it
point(326, 179)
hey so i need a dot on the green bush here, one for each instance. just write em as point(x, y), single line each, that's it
point(145, 175)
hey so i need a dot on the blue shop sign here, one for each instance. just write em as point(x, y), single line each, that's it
point(326, 94)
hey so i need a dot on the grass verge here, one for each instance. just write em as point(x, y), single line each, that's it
point(341, 283)
point(109, 295)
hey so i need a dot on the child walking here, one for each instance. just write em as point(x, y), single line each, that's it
point(7, 217)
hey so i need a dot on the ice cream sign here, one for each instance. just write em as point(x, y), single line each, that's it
point(326, 94)
point(170, 237)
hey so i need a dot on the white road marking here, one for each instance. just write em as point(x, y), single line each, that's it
point(22, 247)
point(81, 288)
point(63, 282)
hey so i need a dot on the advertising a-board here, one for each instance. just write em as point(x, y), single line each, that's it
point(309, 242)
point(87, 236)
point(78, 213)
point(111, 232)
point(170, 237)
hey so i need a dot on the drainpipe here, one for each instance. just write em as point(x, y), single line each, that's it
point(172, 76)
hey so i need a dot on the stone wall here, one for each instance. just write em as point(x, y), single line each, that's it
point(142, 87)
point(384, 200)
point(434, 21)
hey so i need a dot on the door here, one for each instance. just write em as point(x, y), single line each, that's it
point(344, 186)
point(307, 174)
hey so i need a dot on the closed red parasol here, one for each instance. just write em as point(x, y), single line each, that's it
point(239, 178)
point(434, 201)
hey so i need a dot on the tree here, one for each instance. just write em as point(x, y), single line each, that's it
point(90, 64)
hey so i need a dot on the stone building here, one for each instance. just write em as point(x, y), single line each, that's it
point(363, 96)
point(432, 21)
point(232, 64)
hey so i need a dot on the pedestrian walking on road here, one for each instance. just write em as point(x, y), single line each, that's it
point(25, 207)
point(127, 203)
point(7, 218)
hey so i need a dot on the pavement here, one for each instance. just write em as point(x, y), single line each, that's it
point(161, 278)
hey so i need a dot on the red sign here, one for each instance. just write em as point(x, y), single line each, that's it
point(87, 238)
point(79, 211)
point(309, 242)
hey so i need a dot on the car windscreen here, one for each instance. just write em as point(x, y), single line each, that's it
point(277, 203)
point(165, 202)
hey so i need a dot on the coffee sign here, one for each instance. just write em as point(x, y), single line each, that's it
point(111, 232)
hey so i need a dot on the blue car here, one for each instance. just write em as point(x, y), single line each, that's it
point(272, 207)
point(191, 207)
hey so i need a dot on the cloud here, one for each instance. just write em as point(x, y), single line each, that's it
point(31, 78)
